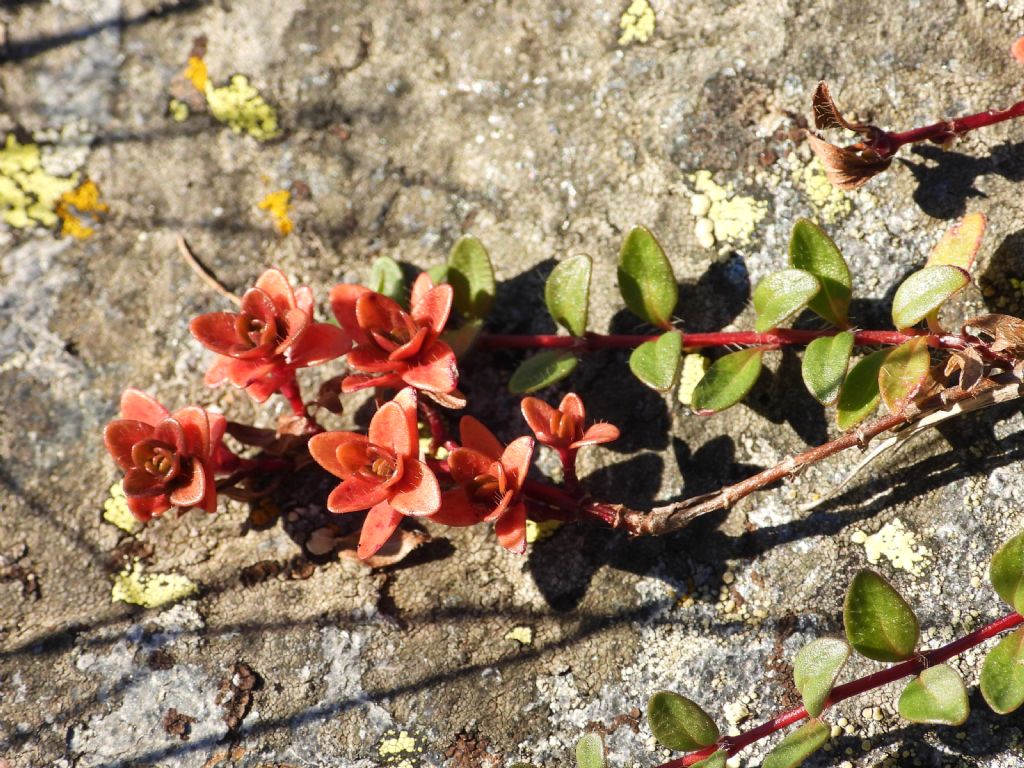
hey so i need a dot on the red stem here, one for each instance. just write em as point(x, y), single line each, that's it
point(777, 338)
point(293, 394)
point(888, 142)
point(733, 744)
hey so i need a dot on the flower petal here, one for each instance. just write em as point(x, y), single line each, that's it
point(324, 450)
point(500, 508)
point(456, 510)
point(169, 431)
point(193, 489)
point(511, 529)
point(120, 435)
point(572, 406)
point(261, 389)
point(516, 460)
point(274, 283)
point(355, 382)
point(209, 502)
point(417, 493)
point(596, 434)
point(218, 425)
point(217, 373)
point(465, 464)
point(434, 369)
point(356, 493)
point(343, 305)
point(139, 482)
point(412, 347)
point(292, 325)
point(139, 406)
point(196, 426)
point(321, 342)
point(394, 425)
point(538, 416)
point(145, 507)
point(381, 522)
point(376, 311)
point(218, 331)
point(477, 437)
point(420, 287)
point(433, 307)
point(371, 359)
point(304, 299)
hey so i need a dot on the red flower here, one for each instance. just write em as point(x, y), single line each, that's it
point(168, 458)
point(259, 348)
point(380, 471)
point(395, 347)
point(490, 478)
point(562, 429)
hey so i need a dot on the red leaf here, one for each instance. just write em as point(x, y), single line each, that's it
point(479, 438)
point(380, 523)
point(417, 492)
point(511, 529)
point(356, 493)
point(139, 406)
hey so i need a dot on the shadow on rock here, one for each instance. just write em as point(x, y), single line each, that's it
point(946, 180)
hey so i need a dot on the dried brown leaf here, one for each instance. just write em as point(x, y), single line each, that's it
point(454, 399)
point(827, 114)
point(847, 168)
point(1006, 332)
point(402, 542)
point(969, 365)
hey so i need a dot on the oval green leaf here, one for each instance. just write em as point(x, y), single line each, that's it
point(656, 363)
point(859, 397)
point(824, 366)
point(462, 339)
point(646, 281)
point(727, 381)
point(471, 277)
point(680, 724)
point(925, 291)
point(811, 250)
point(541, 370)
point(715, 760)
point(936, 696)
point(879, 623)
point(798, 746)
point(438, 273)
point(1006, 572)
point(386, 278)
point(903, 373)
point(590, 751)
point(960, 243)
point(815, 669)
point(567, 293)
point(1002, 674)
point(781, 295)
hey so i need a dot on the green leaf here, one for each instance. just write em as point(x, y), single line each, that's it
point(567, 293)
point(798, 746)
point(925, 291)
point(1007, 572)
point(656, 363)
point(937, 696)
point(590, 751)
point(782, 294)
point(960, 243)
point(541, 370)
point(646, 280)
point(438, 273)
point(679, 723)
point(715, 760)
point(879, 623)
point(461, 339)
point(1002, 674)
point(815, 669)
point(903, 373)
point(727, 381)
point(824, 366)
point(859, 396)
point(386, 278)
point(811, 250)
point(471, 276)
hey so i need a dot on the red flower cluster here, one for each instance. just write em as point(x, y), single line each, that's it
point(394, 347)
point(490, 478)
point(169, 459)
point(260, 347)
point(380, 471)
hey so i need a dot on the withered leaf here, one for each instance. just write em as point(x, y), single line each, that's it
point(454, 399)
point(827, 114)
point(1006, 332)
point(329, 395)
point(970, 366)
point(402, 542)
point(847, 167)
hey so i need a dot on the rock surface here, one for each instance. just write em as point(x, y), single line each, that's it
point(403, 125)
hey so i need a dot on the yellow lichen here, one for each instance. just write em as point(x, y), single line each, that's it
point(178, 110)
point(896, 544)
point(539, 531)
point(399, 750)
point(277, 205)
point(29, 195)
point(197, 74)
point(830, 202)
point(116, 512)
point(694, 368)
point(637, 23)
point(733, 217)
point(522, 635)
point(83, 200)
point(150, 590)
point(241, 107)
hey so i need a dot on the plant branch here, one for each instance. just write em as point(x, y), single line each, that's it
point(886, 143)
point(204, 274)
point(733, 744)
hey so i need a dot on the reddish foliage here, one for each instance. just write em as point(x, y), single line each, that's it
point(562, 428)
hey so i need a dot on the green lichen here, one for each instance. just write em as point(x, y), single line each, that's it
point(522, 635)
point(538, 531)
point(733, 217)
point(241, 107)
point(694, 367)
point(400, 750)
point(150, 590)
point(116, 512)
point(637, 23)
point(829, 202)
point(896, 544)
point(29, 195)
